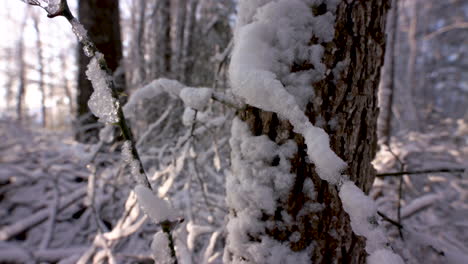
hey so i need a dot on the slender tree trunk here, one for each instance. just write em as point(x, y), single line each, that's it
point(21, 73)
point(179, 39)
point(66, 84)
point(412, 84)
point(161, 59)
point(386, 92)
point(140, 44)
point(40, 63)
point(164, 44)
point(102, 20)
point(189, 29)
point(345, 106)
point(9, 85)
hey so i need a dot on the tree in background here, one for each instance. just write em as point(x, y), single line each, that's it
point(102, 20)
point(22, 71)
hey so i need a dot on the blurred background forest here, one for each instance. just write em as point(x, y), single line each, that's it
point(64, 192)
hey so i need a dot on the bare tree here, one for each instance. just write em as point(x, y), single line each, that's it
point(412, 82)
point(179, 39)
point(140, 45)
point(40, 64)
point(66, 84)
point(387, 85)
point(189, 29)
point(21, 71)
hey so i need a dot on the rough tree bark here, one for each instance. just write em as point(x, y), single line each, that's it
point(348, 106)
point(101, 19)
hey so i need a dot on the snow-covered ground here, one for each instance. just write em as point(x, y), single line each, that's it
point(46, 213)
point(434, 206)
point(64, 202)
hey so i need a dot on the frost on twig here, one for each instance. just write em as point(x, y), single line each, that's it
point(156, 208)
point(161, 213)
point(196, 98)
point(160, 249)
point(101, 103)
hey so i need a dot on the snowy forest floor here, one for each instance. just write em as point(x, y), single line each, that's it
point(434, 206)
point(47, 213)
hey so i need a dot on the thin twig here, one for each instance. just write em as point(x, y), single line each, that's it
point(401, 173)
point(391, 221)
point(53, 207)
point(400, 193)
point(400, 188)
point(458, 25)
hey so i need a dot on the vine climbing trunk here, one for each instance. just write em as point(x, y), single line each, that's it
point(344, 104)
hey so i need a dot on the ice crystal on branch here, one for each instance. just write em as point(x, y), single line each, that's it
point(101, 103)
point(160, 249)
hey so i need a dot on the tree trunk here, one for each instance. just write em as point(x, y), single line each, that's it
point(179, 39)
point(387, 88)
point(40, 62)
point(163, 45)
point(21, 72)
point(65, 83)
point(345, 105)
point(189, 29)
point(102, 20)
point(140, 44)
point(161, 21)
point(412, 88)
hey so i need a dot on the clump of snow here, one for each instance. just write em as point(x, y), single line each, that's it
point(362, 211)
point(188, 117)
point(154, 88)
point(156, 208)
point(79, 30)
point(106, 134)
point(308, 188)
point(160, 249)
point(272, 252)
point(128, 158)
point(263, 53)
point(260, 179)
point(101, 103)
point(384, 256)
point(196, 98)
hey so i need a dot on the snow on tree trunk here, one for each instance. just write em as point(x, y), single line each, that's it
point(298, 63)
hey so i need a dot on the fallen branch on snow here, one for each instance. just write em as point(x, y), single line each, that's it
point(401, 173)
